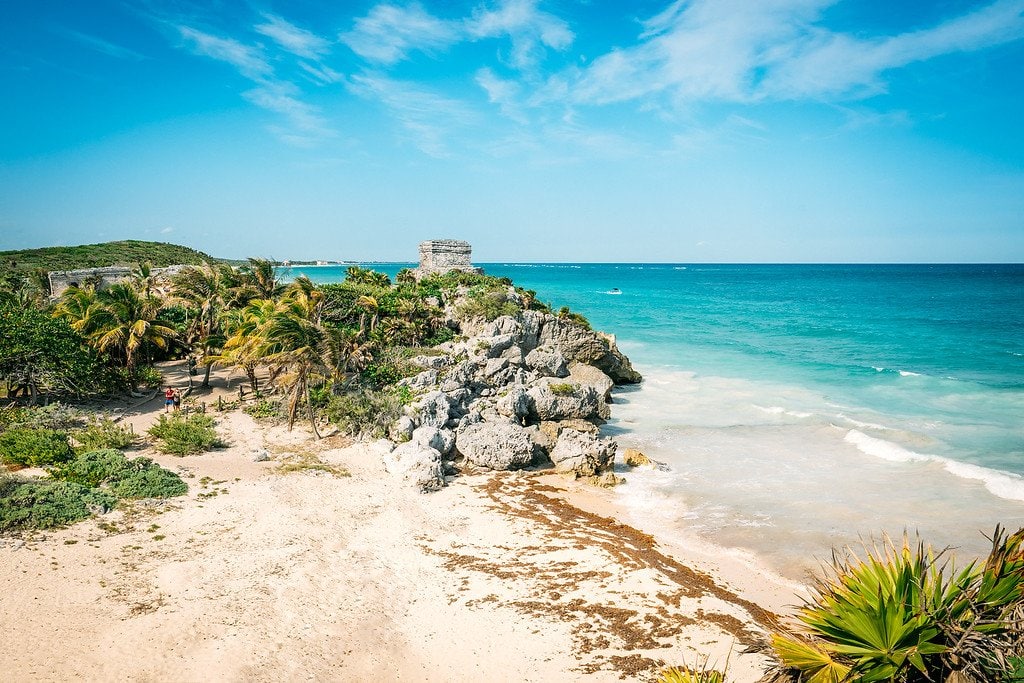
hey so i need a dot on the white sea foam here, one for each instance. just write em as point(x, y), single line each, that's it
point(880, 448)
point(1002, 484)
point(862, 425)
point(779, 410)
point(908, 373)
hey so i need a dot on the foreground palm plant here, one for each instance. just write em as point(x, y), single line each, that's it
point(906, 615)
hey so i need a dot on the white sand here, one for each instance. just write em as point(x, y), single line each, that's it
point(311, 576)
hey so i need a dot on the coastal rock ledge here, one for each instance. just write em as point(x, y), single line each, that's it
point(518, 391)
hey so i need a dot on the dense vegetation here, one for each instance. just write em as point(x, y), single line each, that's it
point(121, 253)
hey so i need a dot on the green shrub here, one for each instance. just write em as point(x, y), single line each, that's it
point(56, 416)
point(186, 435)
point(29, 504)
point(565, 314)
point(103, 433)
point(34, 447)
point(262, 409)
point(367, 413)
point(902, 615)
point(562, 389)
point(486, 302)
point(137, 478)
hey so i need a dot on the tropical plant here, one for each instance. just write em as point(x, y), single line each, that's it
point(30, 447)
point(110, 469)
point(257, 280)
point(186, 435)
point(126, 323)
point(103, 433)
point(43, 355)
point(34, 504)
point(365, 276)
point(204, 290)
point(906, 614)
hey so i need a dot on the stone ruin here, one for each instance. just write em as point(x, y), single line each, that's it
point(100, 278)
point(441, 256)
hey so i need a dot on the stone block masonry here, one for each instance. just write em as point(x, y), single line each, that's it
point(441, 256)
point(101, 278)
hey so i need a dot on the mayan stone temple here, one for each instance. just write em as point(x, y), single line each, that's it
point(440, 256)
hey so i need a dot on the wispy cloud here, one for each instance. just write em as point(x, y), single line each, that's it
point(429, 118)
point(298, 41)
point(735, 51)
point(104, 46)
point(167, 230)
point(250, 61)
point(531, 30)
point(389, 33)
point(306, 124)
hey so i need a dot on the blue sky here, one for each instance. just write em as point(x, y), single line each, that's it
point(562, 130)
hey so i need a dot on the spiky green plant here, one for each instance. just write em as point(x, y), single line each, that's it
point(905, 614)
point(684, 675)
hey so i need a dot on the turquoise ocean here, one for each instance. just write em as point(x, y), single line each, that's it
point(802, 407)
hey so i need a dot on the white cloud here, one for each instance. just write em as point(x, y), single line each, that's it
point(280, 98)
point(738, 51)
point(249, 61)
point(321, 74)
point(389, 33)
point(167, 230)
point(298, 41)
point(530, 29)
point(502, 92)
point(430, 119)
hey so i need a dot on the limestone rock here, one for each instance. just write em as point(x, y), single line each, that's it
point(635, 458)
point(556, 400)
point(582, 454)
point(402, 429)
point(592, 377)
point(425, 379)
point(418, 464)
point(586, 346)
point(516, 404)
point(495, 445)
point(548, 361)
point(435, 409)
point(441, 440)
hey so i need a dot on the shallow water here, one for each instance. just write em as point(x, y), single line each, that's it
point(800, 407)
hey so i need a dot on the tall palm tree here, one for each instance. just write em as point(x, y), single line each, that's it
point(126, 322)
point(258, 280)
point(245, 345)
point(294, 338)
point(204, 289)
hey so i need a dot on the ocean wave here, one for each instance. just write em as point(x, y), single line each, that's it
point(779, 410)
point(896, 371)
point(862, 425)
point(1004, 485)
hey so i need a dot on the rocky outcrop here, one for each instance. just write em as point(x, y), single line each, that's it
point(635, 458)
point(582, 454)
point(510, 393)
point(496, 446)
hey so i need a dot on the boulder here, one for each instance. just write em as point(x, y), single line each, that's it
point(418, 464)
point(548, 361)
point(582, 345)
point(494, 366)
point(495, 445)
point(582, 454)
point(559, 400)
point(635, 458)
point(590, 376)
point(425, 379)
point(435, 409)
point(430, 362)
point(402, 429)
point(516, 403)
point(441, 440)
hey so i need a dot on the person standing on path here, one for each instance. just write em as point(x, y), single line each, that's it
point(168, 399)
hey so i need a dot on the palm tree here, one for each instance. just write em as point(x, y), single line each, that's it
point(295, 340)
point(79, 307)
point(245, 345)
point(204, 288)
point(258, 280)
point(126, 322)
point(369, 309)
point(143, 278)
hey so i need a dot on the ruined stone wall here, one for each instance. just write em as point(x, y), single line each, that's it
point(100, 278)
point(440, 256)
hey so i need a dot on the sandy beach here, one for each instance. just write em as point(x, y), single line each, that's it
point(317, 565)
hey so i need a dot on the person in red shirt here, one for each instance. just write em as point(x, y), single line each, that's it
point(168, 399)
